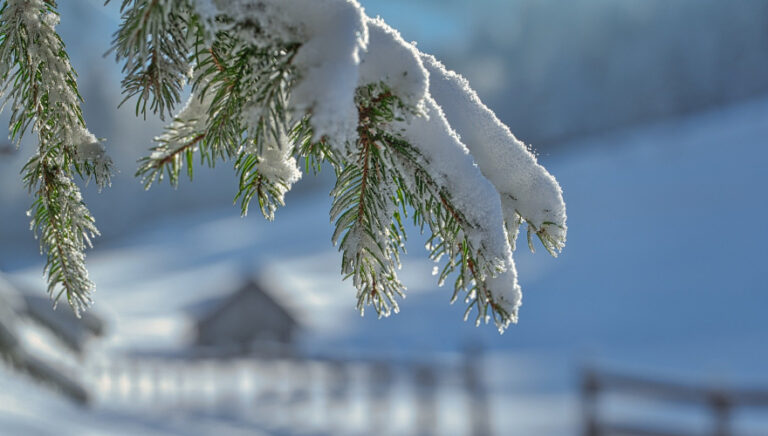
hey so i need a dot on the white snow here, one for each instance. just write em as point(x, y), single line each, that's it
point(526, 188)
point(332, 34)
point(391, 60)
point(328, 60)
point(278, 164)
point(189, 121)
point(279, 168)
point(451, 166)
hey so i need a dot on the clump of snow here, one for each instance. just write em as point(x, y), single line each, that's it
point(390, 59)
point(506, 292)
point(526, 188)
point(278, 167)
point(328, 61)
point(90, 150)
point(451, 167)
point(332, 34)
point(189, 122)
point(88, 147)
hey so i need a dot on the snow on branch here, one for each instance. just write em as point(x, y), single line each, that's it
point(275, 82)
point(38, 81)
point(527, 190)
point(405, 136)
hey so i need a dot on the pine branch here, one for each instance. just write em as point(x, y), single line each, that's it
point(448, 239)
point(238, 105)
point(168, 161)
point(153, 42)
point(365, 209)
point(65, 228)
point(449, 229)
point(269, 173)
point(238, 109)
point(39, 81)
point(363, 212)
point(372, 194)
point(269, 88)
point(433, 208)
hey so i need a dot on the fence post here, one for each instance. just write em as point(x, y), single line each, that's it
point(721, 407)
point(300, 391)
point(339, 386)
point(426, 418)
point(480, 412)
point(380, 385)
point(590, 388)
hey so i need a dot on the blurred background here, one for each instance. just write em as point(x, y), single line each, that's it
point(653, 116)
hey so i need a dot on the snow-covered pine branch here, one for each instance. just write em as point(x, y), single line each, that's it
point(275, 82)
point(38, 82)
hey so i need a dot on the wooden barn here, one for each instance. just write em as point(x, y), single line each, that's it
point(247, 321)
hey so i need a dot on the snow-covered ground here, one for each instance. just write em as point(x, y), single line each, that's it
point(663, 273)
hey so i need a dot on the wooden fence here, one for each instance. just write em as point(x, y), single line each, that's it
point(305, 396)
point(719, 404)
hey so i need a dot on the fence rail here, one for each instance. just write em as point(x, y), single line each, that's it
point(317, 396)
point(718, 402)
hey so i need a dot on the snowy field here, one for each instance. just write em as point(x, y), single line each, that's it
point(663, 274)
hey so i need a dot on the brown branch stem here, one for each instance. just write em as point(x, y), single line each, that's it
point(166, 160)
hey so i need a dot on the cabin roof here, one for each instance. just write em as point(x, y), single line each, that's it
point(214, 309)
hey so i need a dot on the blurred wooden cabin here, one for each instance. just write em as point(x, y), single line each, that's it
point(249, 320)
